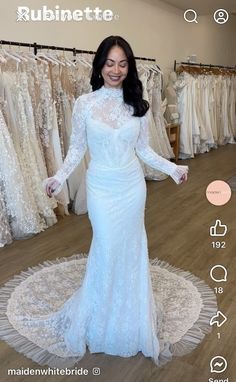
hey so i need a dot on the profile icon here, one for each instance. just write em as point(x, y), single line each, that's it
point(221, 16)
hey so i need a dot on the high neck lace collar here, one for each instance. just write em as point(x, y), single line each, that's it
point(112, 92)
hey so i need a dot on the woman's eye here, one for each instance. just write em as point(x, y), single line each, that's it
point(110, 64)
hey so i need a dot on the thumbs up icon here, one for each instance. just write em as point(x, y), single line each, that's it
point(218, 229)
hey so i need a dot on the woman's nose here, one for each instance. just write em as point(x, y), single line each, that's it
point(116, 69)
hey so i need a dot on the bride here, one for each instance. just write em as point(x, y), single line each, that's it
point(113, 311)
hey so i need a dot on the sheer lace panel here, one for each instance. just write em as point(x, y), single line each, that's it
point(106, 108)
point(78, 142)
point(110, 108)
point(145, 152)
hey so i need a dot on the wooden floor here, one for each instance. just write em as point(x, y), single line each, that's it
point(177, 222)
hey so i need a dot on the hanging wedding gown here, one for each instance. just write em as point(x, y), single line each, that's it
point(206, 105)
point(5, 231)
point(113, 311)
point(23, 221)
point(154, 139)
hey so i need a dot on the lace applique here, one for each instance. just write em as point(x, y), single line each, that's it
point(114, 134)
point(5, 231)
point(22, 217)
point(57, 94)
point(30, 152)
point(111, 109)
point(145, 152)
point(78, 143)
point(45, 106)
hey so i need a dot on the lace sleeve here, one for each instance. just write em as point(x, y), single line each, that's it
point(147, 155)
point(78, 143)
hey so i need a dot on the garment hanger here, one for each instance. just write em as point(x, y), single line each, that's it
point(141, 65)
point(155, 68)
point(54, 56)
point(14, 54)
point(67, 60)
point(9, 55)
point(2, 59)
point(87, 59)
point(145, 71)
point(80, 61)
point(29, 55)
point(34, 57)
point(64, 60)
point(19, 54)
point(47, 57)
point(83, 61)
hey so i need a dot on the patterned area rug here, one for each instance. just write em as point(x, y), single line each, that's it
point(187, 304)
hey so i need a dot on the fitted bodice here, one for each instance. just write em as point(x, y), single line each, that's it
point(111, 129)
point(104, 123)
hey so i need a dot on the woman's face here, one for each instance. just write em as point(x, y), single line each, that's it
point(115, 68)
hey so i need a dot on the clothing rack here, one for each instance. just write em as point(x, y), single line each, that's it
point(203, 65)
point(37, 46)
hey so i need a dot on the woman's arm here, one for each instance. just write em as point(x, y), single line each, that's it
point(146, 153)
point(77, 148)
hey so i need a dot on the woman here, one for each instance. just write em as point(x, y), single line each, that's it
point(114, 311)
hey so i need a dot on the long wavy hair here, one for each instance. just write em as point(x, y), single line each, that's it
point(132, 86)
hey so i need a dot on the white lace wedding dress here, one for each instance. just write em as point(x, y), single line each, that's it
point(114, 310)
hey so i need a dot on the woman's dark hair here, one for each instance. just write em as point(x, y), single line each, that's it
point(132, 86)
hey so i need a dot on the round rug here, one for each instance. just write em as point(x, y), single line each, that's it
point(187, 305)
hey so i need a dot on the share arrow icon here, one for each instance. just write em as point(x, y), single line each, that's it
point(219, 319)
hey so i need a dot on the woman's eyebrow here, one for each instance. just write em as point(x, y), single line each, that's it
point(110, 59)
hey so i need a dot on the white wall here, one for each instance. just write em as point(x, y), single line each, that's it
point(154, 29)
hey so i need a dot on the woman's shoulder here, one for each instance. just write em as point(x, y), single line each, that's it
point(86, 98)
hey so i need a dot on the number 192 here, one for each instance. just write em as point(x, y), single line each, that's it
point(218, 244)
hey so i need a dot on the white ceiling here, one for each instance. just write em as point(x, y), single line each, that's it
point(204, 7)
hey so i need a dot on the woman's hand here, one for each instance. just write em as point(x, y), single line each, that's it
point(183, 178)
point(180, 174)
point(51, 186)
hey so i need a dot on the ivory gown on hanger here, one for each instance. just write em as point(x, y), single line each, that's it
point(114, 309)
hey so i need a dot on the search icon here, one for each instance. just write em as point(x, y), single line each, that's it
point(189, 13)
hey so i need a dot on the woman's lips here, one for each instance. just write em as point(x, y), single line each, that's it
point(115, 78)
